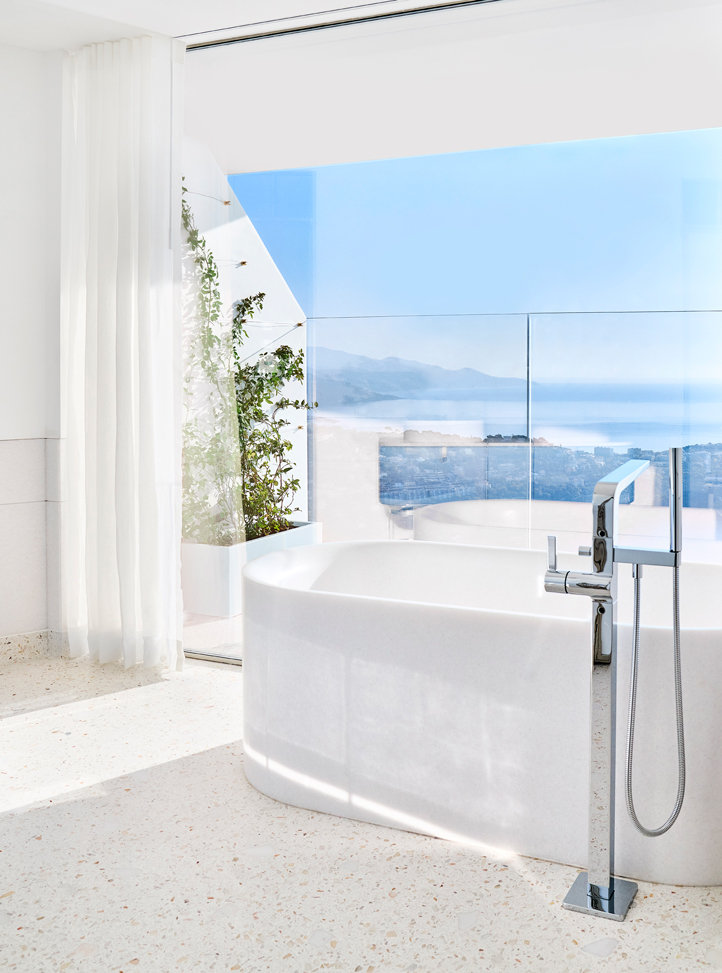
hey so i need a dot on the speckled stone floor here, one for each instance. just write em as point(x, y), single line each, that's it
point(131, 840)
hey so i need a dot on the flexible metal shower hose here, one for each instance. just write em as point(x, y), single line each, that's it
point(655, 832)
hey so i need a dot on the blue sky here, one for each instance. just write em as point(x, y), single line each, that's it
point(623, 224)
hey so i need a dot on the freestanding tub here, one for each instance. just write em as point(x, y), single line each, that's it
point(437, 688)
point(526, 524)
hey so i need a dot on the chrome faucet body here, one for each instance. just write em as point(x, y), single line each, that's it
point(597, 891)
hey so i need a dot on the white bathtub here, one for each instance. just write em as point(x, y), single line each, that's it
point(525, 524)
point(437, 688)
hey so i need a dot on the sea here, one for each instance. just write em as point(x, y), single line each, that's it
point(645, 416)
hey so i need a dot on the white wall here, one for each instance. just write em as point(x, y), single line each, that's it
point(509, 73)
point(30, 181)
point(29, 313)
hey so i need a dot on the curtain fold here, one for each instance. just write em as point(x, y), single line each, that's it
point(121, 337)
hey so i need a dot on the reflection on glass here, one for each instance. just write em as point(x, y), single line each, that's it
point(620, 386)
point(563, 473)
point(618, 223)
point(647, 381)
point(455, 375)
point(606, 388)
point(421, 475)
point(401, 427)
point(503, 422)
point(434, 420)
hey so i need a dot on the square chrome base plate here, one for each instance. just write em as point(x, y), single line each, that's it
point(579, 900)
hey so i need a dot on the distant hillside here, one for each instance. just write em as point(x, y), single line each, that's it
point(333, 392)
point(345, 379)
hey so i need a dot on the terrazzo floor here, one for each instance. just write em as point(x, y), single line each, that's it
point(131, 840)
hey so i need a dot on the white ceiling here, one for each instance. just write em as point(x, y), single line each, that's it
point(178, 17)
point(44, 27)
point(50, 24)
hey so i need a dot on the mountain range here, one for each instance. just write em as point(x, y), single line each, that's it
point(346, 379)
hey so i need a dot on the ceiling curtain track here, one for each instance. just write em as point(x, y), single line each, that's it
point(122, 376)
point(340, 22)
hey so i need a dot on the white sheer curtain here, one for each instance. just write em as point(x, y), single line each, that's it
point(121, 342)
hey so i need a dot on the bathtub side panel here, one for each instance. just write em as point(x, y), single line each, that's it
point(475, 725)
point(293, 702)
point(437, 720)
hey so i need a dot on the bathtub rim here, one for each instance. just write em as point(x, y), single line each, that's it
point(256, 563)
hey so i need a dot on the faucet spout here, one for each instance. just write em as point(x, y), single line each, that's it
point(605, 512)
point(605, 504)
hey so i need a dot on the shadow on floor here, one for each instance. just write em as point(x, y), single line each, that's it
point(34, 684)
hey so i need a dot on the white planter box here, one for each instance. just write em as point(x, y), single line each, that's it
point(211, 576)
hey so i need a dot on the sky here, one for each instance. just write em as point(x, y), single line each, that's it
point(493, 343)
point(606, 225)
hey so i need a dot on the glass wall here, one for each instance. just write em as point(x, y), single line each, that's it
point(489, 333)
point(513, 408)
point(404, 418)
point(609, 387)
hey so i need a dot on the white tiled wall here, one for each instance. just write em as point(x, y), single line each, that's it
point(52, 461)
point(30, 118)
point(22, 471)
point(23, 536)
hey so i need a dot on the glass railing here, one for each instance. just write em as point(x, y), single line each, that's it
point(526, 411)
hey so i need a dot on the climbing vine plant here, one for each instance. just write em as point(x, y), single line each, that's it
point(212, 484)
point(268, 484)
point(238, 481)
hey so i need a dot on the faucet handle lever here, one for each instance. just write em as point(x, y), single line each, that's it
point(585, 552)
point(551, 552)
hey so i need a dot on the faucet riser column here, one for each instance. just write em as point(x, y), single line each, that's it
point(597, 892)
point(601, 775)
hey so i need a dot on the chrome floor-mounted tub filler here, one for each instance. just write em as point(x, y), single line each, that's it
point(597, 891)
